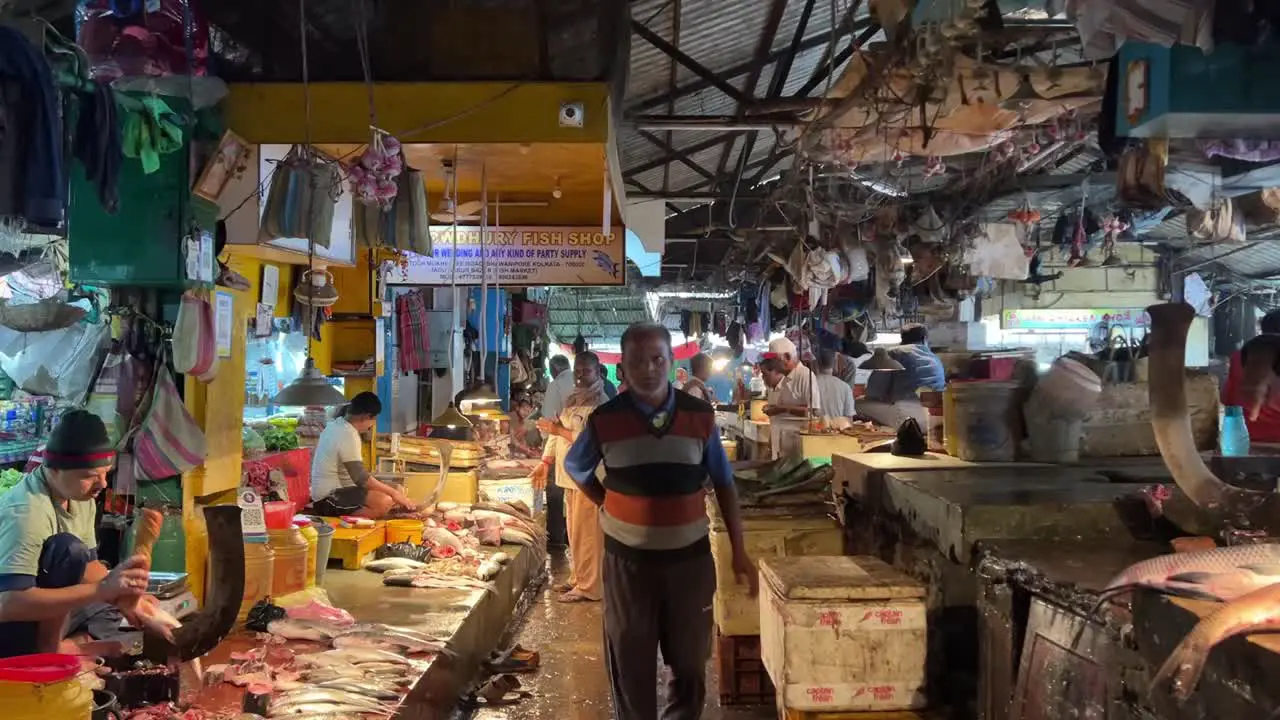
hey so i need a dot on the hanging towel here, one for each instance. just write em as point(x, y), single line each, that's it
point(98, 143)
point(413, 344)
point(44, 186)
point(155, 131)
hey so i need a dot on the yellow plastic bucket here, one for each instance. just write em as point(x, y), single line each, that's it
point(401, 531)
point(37, 687)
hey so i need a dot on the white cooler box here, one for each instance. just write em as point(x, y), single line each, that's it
point(842, 634)
point(510, 490)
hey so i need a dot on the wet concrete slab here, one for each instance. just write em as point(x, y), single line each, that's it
point(952, 509)
point(573, 683)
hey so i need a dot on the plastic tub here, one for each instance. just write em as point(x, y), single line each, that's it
point(278, 514)
point(1052, 438)
point(36, 687)
point(290, 572)
point(259, 574)
point(401, 531)
point(980, 420)
point(308, 531)
point(324, 543)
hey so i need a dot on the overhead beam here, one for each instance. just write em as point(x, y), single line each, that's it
point(695, 86)
point(763, 46)
point(718, 123)
point(693, 149)
point(825, 70)
point(694, 66)
point(679, 156)
point(784, 64)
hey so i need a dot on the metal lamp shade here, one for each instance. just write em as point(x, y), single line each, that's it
point(310, 389)
point(452, 425)
point(881, 362)
point(482, 395)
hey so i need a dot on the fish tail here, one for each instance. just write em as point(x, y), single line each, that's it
point(1182, 669)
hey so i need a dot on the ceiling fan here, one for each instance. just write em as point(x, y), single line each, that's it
point(451, 211)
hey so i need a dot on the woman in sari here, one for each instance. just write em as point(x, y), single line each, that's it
point(586, 540)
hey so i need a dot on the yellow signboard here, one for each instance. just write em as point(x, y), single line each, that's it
point(518, 256)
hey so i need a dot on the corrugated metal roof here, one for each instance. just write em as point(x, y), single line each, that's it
point(720, 35)
point(1257, 259)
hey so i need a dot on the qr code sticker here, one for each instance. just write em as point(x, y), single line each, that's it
point(252, 518)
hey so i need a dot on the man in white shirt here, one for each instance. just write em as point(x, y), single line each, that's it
point(560, 387)
point(339, 483)
point(798, 391)
point(837, 395)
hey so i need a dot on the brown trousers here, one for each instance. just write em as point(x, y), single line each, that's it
point(586, 543)
point(654, 604)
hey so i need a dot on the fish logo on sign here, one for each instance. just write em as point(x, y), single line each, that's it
point(606, 263)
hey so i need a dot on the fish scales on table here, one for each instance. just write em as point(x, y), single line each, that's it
point(1219, 574)
point(1259, 611)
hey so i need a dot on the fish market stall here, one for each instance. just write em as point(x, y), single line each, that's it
point(404, 636)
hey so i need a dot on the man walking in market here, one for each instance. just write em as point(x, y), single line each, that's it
point(659, 446)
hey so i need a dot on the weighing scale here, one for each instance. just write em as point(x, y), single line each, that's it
point(173, 594)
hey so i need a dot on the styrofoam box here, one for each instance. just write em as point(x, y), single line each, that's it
point(503, 491)
point(842, 634)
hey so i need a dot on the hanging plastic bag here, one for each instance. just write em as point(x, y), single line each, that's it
point(301, 197)
point(58, 363)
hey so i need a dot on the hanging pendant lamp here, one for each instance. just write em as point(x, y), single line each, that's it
point(482, 395)
point(880, 361)
point(310, 389)
point(452, 425)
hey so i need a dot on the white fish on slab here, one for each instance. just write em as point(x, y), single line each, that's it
point(393, 564)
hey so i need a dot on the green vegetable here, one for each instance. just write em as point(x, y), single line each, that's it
point(10, 478)
point(279, 439)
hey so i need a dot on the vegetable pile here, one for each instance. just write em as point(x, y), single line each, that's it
point(278, 439)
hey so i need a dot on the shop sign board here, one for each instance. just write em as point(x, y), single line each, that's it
point(1063, 319)
point(518, 256)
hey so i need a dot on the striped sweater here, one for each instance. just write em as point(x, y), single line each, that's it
point(656, 468)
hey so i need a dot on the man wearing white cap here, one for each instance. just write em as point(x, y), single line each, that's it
point(798, 391)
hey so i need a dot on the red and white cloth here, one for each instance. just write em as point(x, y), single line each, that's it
point(413, 345)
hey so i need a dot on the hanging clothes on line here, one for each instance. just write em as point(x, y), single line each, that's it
point(98, 143)
point(41, 195)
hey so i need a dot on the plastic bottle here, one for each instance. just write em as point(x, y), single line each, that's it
point(313, 539)
point(1233, 433)
point(290, 572)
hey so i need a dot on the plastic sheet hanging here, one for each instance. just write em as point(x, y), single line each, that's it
point(1220, 223)
point(405, 225)
point(59, 363)
point(301, 197)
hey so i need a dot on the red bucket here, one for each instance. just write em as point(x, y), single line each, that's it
point(39, 669)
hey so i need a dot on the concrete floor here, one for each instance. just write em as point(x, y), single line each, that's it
point(573, 684)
